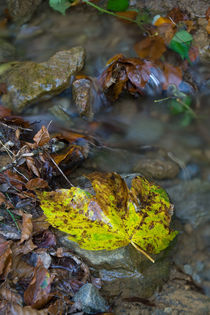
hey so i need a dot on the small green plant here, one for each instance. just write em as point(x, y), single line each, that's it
point(112, 7)
point(180, 103)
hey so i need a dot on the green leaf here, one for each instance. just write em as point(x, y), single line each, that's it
point(181, 43)
point(115, 216)
point(60, 5)
point(117, 5)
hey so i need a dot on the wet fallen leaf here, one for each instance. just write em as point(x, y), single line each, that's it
point(5, 257)
point(27, 227)
point(150, 48)
point(42, 137)
point(172, 75)
point(130, 74)
point(37, 293)
point(115, 216)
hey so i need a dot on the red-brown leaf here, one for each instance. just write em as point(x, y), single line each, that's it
point(150, 48)
point(27, 227)
point(42, 136)
point(5, 257)
point(36, 183)
point(37, 293)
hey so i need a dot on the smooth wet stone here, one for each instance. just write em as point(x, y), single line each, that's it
point(30, 82)
point(124, 269)
point(21, 11)
point(157, 168)
point(83, 99)
point(192, 201)
point(7, 51)
point(90, 299)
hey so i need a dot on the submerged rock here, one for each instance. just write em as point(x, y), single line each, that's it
point(29, 82)
point(90, 299)
point(192, 201)
point(7, 51)
point(157, 168)
point(82, 97)
point(21, 10)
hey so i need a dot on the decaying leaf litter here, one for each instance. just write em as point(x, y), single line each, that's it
point(36, 163)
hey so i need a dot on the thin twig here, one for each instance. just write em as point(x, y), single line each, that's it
point(60, 170)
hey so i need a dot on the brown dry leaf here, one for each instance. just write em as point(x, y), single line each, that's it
point(172, 75)
point(5, 257)
point(40, 224)
point(16, 309)
point(208, 26)
point(27, 227)
point(30, 161)
point(37, 293)
point(177, 15)
point(21, 270)
point(190, 25)
point(4, 111)
point(3, 88)
point(12, 179)
point(10, 295)
point(4, 201)
point(36, 183)
point(166, 31)
point(42, 137)
point(208, 13)
point(23, 249)
point(150, 48)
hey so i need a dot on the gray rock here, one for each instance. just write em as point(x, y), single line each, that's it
point(157, 168)
point(185, 301)
point(7, 51)
point(194, 7)
point(124, 269)
point(90, 299)
point(192, 201)
point(22, 10)
point(29, 82)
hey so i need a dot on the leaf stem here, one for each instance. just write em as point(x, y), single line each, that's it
point(142, 251)
point(109, 12)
